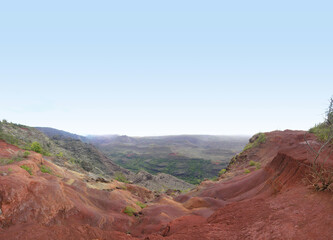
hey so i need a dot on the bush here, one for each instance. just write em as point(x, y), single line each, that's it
point(45, 169)
point(322, 131)
point(35, 146)
point(257, 164)
point(246, 171)
point(223, 171)
point(28, 169)
point(130, 211)
point(252, 163)
point(141, 205)
point(26, 154)
point(60, 155)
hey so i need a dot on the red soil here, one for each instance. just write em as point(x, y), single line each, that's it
point(273, 202)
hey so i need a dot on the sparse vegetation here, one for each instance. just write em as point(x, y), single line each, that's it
point(45, 169)
point(120, 177)
point(256, 164)
point(60, 155)
point(247, 171)
point(26, 154)
point(252, 163)
point(321, 175)
point(28, 169)
point(130, 211)
point(141, 205)
point(36, 147)
point(223, 171)
point(259, 138)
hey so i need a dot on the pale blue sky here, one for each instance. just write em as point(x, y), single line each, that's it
point(166, 67)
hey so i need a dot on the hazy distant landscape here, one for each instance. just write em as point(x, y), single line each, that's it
point(191, 158)
point(188, 157)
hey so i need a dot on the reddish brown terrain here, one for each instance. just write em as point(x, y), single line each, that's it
point(272, 202)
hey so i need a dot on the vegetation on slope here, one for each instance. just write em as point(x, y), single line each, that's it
point(64, 151)
point(321, 174)
point(190, 158)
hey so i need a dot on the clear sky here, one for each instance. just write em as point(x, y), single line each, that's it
point(166, 67)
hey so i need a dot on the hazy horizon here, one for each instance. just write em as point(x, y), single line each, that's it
point(166, 68)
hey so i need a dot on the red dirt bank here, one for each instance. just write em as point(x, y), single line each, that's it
point(270, 203)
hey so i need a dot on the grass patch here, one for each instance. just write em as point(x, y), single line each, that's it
point(130, 211)
point(261, 138)
point(141, 205)
point(45, 169)
point(28, 169)
point(247, 171)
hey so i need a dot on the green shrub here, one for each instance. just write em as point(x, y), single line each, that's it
point(60, 155)
point(214, 179)
point(45, 169)
point(257, 164)
point(35, 146)
point(223, 171)
point(141, 205)
point(247, 171)
point(322, 131)
point(130, 211)
point(252, 163)
point(26, 154)
point(28, 169)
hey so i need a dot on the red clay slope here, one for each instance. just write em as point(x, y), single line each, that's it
point(60, 205)
point(273, 202)
point(270, 203)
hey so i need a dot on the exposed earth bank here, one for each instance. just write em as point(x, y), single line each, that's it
point(267, 199)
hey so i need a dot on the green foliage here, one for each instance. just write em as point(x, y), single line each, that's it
point(322, 131)
point(141, 205)
point(36, 147)
point(247, 171)
point(26, 154)
point(45, 169)
point(5, 161)
point(254, 163)
point(130, 211)
point(28, 169)
point(223, 171)
point(60, 155)
point(258, 165)
point(214, 179)
point(120, 177)
point(9, 138)
point(259, 140)
point(191, 170)
point(15, 158)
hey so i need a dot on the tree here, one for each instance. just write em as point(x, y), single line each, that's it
point(321, 173)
